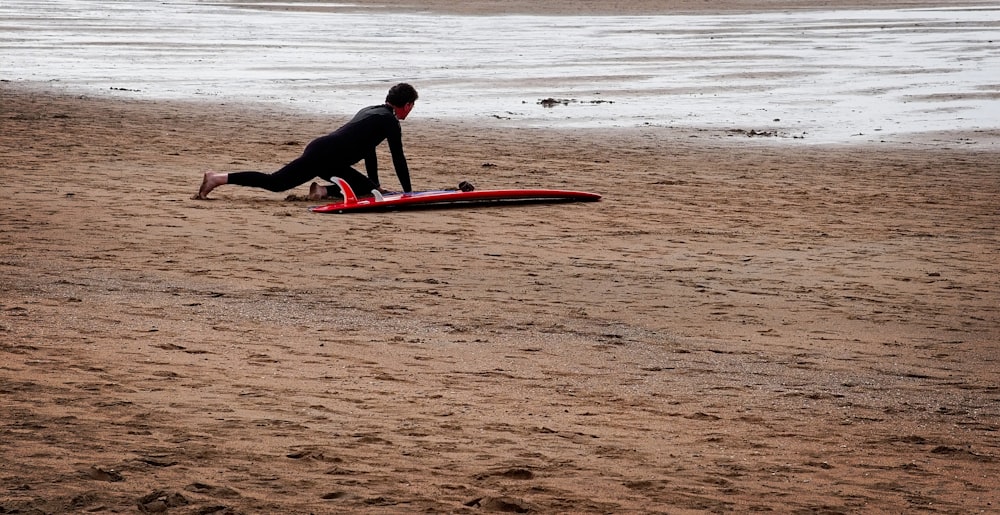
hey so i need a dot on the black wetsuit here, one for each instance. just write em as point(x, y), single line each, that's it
point(334, 155)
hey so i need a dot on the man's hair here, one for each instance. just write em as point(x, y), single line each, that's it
point(401, 94)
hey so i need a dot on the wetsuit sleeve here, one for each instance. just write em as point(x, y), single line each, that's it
point(399, 161)
point(371, 166)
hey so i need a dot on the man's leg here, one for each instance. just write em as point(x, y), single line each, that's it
point(293, 174)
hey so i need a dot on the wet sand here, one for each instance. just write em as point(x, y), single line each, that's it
point(740, 325)
point(600, 7)
point(822, 76)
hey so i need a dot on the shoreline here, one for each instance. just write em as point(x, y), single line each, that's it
point(626, 7)
point(987, 140)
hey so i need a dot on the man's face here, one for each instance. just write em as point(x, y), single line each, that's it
point(403, 112)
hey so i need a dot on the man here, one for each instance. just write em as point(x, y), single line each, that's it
point(334, 155)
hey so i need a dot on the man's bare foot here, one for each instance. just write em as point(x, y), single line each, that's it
point(317, 192)
point(209, 182)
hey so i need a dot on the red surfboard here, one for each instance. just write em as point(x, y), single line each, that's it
point(379, 201)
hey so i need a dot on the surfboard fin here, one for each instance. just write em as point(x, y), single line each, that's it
point(349, 196)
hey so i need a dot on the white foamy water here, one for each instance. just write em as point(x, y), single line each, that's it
point(822, 76)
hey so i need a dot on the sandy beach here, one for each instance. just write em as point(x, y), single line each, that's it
point(740, 325)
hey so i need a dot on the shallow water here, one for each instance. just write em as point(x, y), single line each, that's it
point(820, 76)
